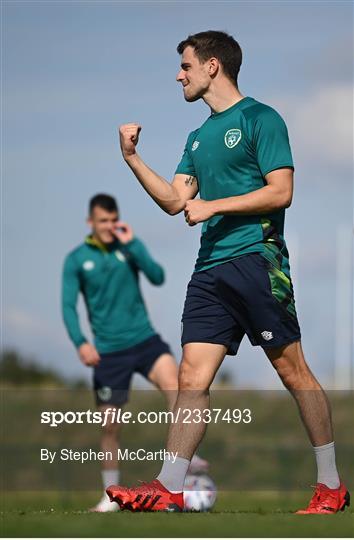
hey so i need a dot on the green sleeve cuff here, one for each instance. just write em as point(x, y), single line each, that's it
point(79, 342)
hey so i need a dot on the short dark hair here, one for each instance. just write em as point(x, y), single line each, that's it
point(107, 202)
point(219, 44)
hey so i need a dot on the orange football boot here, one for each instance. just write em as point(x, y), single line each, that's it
point(327, 501)
point(149, 497)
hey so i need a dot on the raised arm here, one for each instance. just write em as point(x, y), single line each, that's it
point(171, 197)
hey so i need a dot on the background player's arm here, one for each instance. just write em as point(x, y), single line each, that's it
point(171, 197)
point(70, 292)
point(139, 254)
point(275, 195)
point(143, 260)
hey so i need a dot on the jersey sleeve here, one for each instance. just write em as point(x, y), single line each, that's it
point(186, 165)
point(70, 292)
point(271, 142)
point(144, 262)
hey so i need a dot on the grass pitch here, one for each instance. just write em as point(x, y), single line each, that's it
point(246, 514)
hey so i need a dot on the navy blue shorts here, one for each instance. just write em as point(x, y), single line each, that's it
point(247, 295)
point(112, 376)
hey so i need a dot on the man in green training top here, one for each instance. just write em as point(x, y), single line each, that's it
point(240, 162)
point(105, 269)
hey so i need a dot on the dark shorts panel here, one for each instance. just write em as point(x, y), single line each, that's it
point(112, 376)
point(247, 295)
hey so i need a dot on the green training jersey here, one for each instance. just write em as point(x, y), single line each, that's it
point(230, 154)
point(108, 278)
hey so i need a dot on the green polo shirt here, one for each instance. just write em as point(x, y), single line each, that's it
point(230, 154)
point(108, 279)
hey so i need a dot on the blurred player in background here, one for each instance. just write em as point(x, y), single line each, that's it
point(240, 162)
point(105, 270)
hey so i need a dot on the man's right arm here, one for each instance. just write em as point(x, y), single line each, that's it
point(70, 291)
point(171, 197)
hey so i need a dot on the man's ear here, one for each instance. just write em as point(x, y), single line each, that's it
point(214, 66)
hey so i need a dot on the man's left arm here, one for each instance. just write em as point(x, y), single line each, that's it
point(138, 252)
point(143, 260)
point(275, 195)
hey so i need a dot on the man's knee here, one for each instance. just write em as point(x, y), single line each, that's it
point(111, 428)
point(289, 373)
point(199, 365)
point(192, 377)
point(164, 373)
point(291, 366)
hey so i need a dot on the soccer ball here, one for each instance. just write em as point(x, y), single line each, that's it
point(199, 493)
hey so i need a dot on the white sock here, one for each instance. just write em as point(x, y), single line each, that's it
point(109, 477)
point(326, 465)
point(172, 475)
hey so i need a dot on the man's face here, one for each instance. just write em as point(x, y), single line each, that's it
point(102, 224)
point(193, 75)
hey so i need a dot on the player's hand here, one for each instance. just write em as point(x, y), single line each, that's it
point(89, 355)
point(198, 210)
point(123, 232)
point(129, 138)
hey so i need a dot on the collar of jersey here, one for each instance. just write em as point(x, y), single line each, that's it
point(96, 243)
point(231, 109)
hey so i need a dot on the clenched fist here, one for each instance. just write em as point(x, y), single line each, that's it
point(89, 355)
point(129, 137)
point(198, 210)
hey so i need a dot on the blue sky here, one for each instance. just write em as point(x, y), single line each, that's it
point(73, 71)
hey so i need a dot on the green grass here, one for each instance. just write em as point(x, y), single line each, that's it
point(246, 514)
